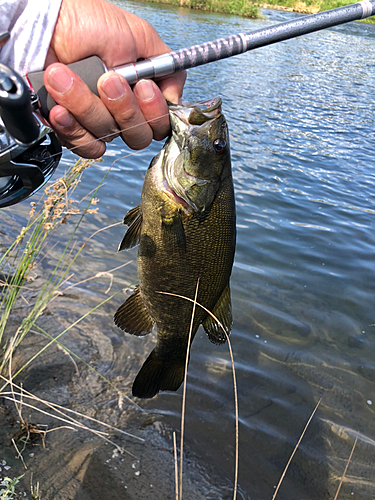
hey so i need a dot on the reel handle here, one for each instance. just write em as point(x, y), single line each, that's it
point(15, 107)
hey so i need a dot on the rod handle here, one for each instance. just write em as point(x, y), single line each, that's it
point(89, 69)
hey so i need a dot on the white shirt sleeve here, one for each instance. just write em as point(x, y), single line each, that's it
point(30, 24)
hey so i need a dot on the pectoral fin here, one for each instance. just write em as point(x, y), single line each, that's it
point(173, 231)
point(133, 317)
point(132, 215)
point(223, 312)
point(132, 236)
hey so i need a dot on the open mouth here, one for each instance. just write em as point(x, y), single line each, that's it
point(198, 113)
point(175, 180)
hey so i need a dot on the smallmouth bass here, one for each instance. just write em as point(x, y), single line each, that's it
point(186, 230)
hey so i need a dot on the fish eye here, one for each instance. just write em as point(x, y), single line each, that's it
point(219, 146)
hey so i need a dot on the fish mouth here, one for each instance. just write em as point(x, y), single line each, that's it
point(196, 113)
point(186, 119)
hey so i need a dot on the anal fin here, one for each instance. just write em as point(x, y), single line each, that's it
point(223, 312)
point(133, 317)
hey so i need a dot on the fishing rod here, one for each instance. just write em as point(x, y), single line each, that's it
point(29, 149)
point(92, 68)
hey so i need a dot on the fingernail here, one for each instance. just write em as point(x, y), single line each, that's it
point(60, 80)
point(144, 90)
point(113, 88)
point(64, 119)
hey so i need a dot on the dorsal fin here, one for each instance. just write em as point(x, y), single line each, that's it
point(223, 312)
point(133, 317)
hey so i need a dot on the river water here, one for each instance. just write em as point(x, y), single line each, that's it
point(301, 116)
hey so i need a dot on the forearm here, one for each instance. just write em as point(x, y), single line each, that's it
point(31, 24)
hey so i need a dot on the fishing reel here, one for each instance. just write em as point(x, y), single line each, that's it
point(29, 149)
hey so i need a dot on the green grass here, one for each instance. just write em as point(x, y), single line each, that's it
point(312, 6)
point(240, 7)
point(24, 254)
point(252, 9)
point(29, 248)
point(8, 488)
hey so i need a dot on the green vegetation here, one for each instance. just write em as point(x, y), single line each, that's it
point(8, 488)
point(251, 8)
point(27, 250)
point(239, 7)
point(310, 6)
point(35, 242)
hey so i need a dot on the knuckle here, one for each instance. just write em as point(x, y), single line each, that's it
point(138, 141)
point(75, 134)
point(82, 143)
point(90, 151)
point(128, 117)
point(160, 129)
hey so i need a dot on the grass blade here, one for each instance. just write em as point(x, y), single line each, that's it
point(235, 486)
point(346, 468)
point(175, 464)
point(184, 389)
point(294, 451)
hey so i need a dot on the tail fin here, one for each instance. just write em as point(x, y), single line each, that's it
point(156, 375)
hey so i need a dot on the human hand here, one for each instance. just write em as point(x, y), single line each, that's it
point(82, 120)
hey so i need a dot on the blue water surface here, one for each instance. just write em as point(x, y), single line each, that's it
point(301, 116)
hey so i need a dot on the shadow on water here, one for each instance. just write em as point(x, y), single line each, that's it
point(301, 116)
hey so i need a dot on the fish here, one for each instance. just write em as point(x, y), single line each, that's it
point(185, 227)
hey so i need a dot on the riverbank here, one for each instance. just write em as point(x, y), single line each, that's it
point(253, 9)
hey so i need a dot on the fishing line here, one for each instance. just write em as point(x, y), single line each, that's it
point(114, 134)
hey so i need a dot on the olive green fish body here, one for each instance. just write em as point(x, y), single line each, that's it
point(186, 242)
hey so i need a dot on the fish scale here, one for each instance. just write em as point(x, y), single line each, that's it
point(208, 257)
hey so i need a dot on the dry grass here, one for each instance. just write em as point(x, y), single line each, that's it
point(29, 249)
point(26, 253)
point(19, 395)
point(294, 451)
point(195, 303)
point(72, 420)
point(346, 468)
point(44, 219)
